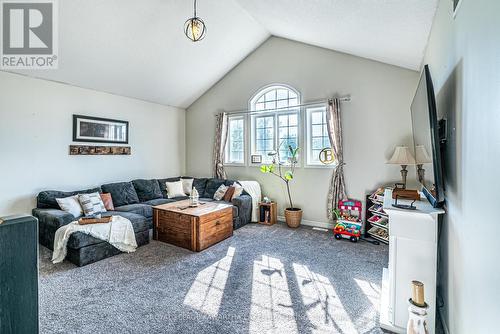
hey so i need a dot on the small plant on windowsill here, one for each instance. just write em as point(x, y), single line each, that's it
point(293, 215)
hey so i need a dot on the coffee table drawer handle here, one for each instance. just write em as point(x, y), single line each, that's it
point(217, 222)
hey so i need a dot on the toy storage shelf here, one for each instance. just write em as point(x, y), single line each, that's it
point(377, 220)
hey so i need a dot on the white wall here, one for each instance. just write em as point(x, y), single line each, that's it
point(464, 59)
point(376, 120)
point(36, 131)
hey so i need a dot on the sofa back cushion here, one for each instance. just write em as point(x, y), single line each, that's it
point(212, 186)
point(122, 193)
point(200, 185)
point(47, 199)
point(163, 186)
point(147, 189)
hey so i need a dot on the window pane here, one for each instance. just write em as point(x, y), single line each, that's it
point(294, 102)
point(270, 105)
point(235, 141)
point(283, 133)
point(283, 120)
point(292, 132)
point(293, 119)
point(317, 130)
point(269, 122)
point(317, 143)
point(317, 117)
point(282, 94)
point(315, 155)
point(271, 96)
point(260, 133)
point(259, 122)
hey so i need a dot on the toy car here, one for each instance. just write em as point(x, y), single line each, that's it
point(347, 230)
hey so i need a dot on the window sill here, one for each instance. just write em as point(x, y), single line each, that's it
point(320, 166)
point(233, 164)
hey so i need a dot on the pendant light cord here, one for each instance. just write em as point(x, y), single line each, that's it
point(194, 8)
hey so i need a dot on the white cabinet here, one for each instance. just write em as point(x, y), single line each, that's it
point(413, 236)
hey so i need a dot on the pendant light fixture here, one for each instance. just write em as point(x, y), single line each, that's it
point(195, 28)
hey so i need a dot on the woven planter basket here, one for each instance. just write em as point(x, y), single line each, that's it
point(293, 217)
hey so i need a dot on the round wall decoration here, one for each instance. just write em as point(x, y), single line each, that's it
point(326, 156)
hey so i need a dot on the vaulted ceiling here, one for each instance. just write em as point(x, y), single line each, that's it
point(138, 48)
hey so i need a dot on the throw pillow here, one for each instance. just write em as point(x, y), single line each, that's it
point(108, 202)
point(70, 205)
point(238, 190)
point(91, 204)
point(228, 196)
point(221, 191)
point(174, 189)
point(187, 185)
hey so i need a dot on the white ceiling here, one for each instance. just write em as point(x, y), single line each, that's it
point(138, 48)
point(390, 31)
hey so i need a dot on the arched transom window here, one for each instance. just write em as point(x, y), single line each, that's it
point(275, 122)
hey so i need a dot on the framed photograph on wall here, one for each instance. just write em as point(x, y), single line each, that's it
point(456, 6)
point(256, 158)
point(99, 130)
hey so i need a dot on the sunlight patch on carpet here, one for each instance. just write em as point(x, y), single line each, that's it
point(271, 309)
point(323, 306)
point(205, 294)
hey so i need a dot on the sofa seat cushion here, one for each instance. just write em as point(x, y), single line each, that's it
point(158, 201)
point(138, 208)
point(122, 193)
point(47, 199)
point(53, 218)
point(78, 239)
point(147, 189)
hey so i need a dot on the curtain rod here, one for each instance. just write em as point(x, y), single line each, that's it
point(246, 111)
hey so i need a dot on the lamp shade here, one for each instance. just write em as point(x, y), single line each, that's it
point(421, 155)
point(402, 156)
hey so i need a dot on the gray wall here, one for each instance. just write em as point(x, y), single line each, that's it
point(464, 59)
point(376, 120)
point(36, 131)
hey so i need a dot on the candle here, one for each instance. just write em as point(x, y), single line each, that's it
point(418, 293)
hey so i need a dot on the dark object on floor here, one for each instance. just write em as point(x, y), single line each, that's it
point(18, 275)
point(132, 200)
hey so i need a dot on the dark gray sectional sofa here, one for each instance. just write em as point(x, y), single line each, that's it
point(132, 200)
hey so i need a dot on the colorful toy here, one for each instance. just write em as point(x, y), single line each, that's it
point(349, 221)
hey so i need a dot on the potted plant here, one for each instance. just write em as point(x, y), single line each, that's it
point(293, 215)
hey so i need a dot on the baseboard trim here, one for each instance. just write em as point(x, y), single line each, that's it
point(311, 223)
point(443, 322)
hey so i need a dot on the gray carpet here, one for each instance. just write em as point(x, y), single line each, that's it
point(263, 279)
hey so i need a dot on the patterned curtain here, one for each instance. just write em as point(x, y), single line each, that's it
point(337, 184)
point(221, 129)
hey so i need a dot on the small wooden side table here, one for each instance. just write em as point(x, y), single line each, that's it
point(268, 213)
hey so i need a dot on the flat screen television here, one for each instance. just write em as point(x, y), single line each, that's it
point(427, 140)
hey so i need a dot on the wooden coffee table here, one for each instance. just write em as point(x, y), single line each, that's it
point(193, 228)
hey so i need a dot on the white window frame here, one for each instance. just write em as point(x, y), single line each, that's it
point(228, 143)
point(275, 113)
point(308, 135)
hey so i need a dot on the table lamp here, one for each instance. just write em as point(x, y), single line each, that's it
point(421, 157)
point(402, 156)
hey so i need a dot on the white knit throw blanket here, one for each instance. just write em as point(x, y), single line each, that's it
point(119, 233)
point(253, 189)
